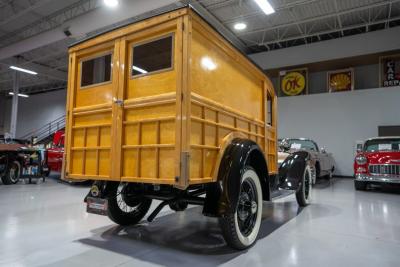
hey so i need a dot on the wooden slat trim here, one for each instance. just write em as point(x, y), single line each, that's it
point(202, 101)
point(92, 107)
point(150, 100)
point(197, 146)
point(90, 148)
point(169, 118)
point(91, 126)
point(225, 126)
point(148, 146)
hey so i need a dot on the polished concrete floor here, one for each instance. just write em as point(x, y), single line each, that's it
point(46, 224)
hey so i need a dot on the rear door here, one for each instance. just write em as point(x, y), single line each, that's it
point(148, 105)
point(93, 87)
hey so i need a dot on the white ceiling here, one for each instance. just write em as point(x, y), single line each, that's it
point(295, 22)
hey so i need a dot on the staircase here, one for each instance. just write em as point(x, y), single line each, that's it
point(44, 134)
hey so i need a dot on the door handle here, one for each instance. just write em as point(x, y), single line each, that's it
point(119, 102)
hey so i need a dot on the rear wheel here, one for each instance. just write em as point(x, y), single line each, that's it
point(303, 195)
point(360, 185)
point(240, 228)
point(123, 207)
point(12, 174)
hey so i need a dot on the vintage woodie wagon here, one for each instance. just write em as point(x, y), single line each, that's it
point(166, 108)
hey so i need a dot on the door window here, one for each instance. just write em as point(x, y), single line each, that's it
point(153, 56)
point(96, 70)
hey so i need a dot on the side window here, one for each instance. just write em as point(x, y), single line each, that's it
point(152, 56)
point(269, 110)
point(96, 70)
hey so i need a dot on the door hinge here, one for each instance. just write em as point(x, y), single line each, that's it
point(183, 26)
point(181, 96)
point(185, 166)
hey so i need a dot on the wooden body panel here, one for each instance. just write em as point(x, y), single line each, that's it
point(166, 127)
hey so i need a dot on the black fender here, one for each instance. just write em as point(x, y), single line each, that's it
point(222, 196)
point(292, 170)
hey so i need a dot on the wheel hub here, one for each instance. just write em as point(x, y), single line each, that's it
point(253, 207)
point(247, 207)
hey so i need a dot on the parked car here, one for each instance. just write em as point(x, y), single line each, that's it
point(55, 152)
point(322, 161)
point(378, 162)
point(17, 160)
point(183, 122)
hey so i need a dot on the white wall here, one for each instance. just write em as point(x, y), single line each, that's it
point(36, 110)
point(335, 121)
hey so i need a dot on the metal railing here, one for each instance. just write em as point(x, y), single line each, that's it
point(45, 131)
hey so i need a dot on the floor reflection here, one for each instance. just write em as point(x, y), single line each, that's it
point(184, 235)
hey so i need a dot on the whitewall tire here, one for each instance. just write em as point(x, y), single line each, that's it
point(240, 228)
point(303, 195)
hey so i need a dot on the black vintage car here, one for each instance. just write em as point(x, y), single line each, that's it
point(18, 160)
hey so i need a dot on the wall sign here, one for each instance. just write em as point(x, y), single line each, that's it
point(293, 82)
point(390, 71)
point(340, 80)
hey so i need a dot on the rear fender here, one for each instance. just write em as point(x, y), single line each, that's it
point(222, 196)
point(292, 170)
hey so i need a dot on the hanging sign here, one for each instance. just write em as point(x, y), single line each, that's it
point(341, 80)
point(293, 82)
point(390, 71)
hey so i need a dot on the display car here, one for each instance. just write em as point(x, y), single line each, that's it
point(378, 162)
point(55, 152)
point(322, 162)
point(18, 160)
point(166, 108)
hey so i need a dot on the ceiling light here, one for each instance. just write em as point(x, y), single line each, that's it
point(208, 63)
point(22, 95)
point(240, 26)
point(111, 3)
point(23, 70)
point(139, 70)
point(265, 6)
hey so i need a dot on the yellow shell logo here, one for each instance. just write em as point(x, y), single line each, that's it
point(293, 83)
point(340, 81)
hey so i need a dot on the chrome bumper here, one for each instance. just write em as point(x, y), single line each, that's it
point(378, 178)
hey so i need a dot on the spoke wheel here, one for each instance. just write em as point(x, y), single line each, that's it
point(124, 207)
point(240, 228)
point(303, 195)
point(13, 174)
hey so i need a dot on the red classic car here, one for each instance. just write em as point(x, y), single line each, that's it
point(377, 162)
point(55, 152)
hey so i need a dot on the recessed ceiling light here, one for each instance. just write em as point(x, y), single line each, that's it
point(111, 3)
point(240, 26)
point(23, 70)
point(265, 6)
point(22, 95)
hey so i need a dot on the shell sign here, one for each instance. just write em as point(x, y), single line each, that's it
point(293, 82)
point(341, 80)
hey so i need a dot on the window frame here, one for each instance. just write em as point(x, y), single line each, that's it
point(271, 98)
point(88, 58)
point(132, 47)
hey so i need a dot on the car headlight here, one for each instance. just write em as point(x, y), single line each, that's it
point(361, 160)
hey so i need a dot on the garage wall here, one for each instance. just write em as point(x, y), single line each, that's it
point(35, 111)
point(336, 121)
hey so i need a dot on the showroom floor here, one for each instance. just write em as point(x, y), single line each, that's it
point(46, 225)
